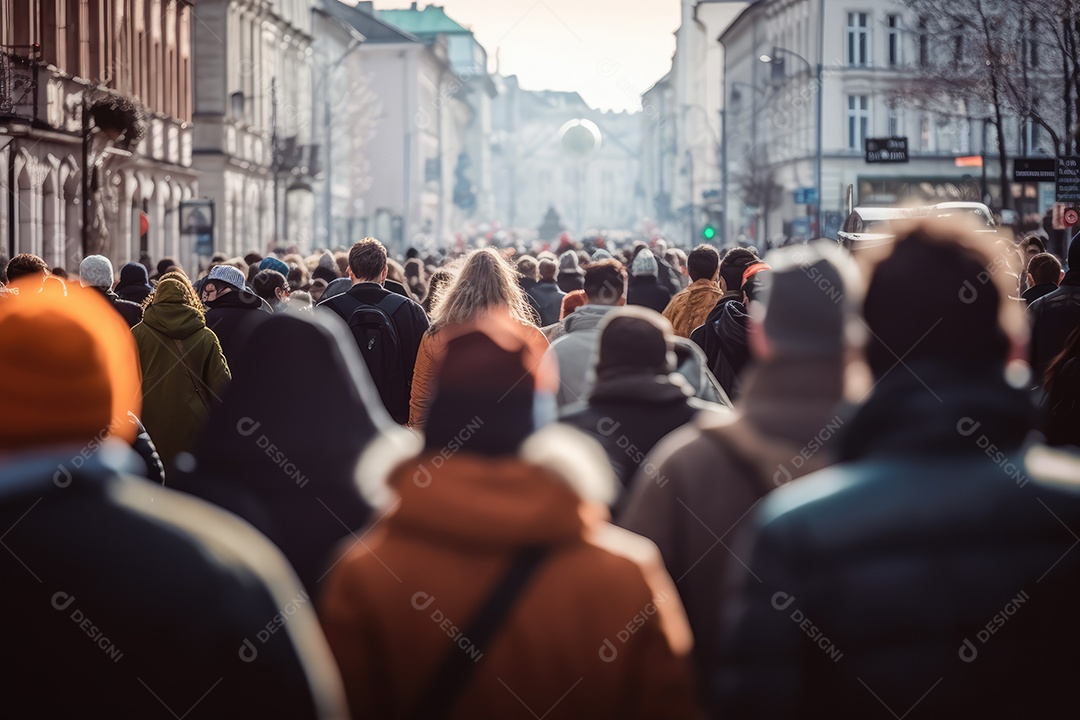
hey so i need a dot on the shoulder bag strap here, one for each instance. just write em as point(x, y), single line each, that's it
point(445, 687)
point(191, 373)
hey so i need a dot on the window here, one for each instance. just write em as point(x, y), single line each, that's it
point(924, 133)
point(896, 128)
point(958, 44)
point(858, 40)
point(858, 120)
point(1030, 44)
point(896, 40)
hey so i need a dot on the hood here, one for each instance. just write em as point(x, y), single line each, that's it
point(586, 317)
point(568, 264)
point(262, 435)
point(173, 319)
point(243, 299)
point(535, 497)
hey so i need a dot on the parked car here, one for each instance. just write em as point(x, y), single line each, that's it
point(867, 227)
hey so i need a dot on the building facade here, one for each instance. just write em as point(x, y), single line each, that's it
point(65, 68)
point(867, 51)
point(253, 122)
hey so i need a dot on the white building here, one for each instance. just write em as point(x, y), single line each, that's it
point(85, 57)
point(252, 78)
point(682, 125)
point(865, 50)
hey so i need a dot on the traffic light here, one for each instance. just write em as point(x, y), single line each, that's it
point(709, 232)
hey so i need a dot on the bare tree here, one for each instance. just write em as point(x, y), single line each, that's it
point(756, 180)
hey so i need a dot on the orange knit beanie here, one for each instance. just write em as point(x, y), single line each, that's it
point(69, 372)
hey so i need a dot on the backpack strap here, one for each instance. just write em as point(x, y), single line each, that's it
point(391, 303)
point(444, 688)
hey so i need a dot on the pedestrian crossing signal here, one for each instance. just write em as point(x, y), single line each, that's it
point(709, 232)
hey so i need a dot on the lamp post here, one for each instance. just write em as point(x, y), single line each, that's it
point(775, 58)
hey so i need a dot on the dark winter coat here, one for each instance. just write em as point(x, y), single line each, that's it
point(547, 299)
point(131, 312)
point(126, 599)
point(723, 338)
point(1061, 408)
point(1053, 317)
point(410, 321)
point(1035, 292)
point(134, 284)
point(263, 457)
point(930, 568)
point(231, 316)
point(646, 291)
point(629, 413)
point(174, 403)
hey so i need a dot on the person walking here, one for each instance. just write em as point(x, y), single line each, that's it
point(517, 508)
point(387, 326)
point(183, 368)
point(703, 479)
point(262, 457)
point(643, 288)
point(1054, 316)
point(637, 398)
point(231, 308)
point(486, 285)
point(571, 277)
point(874, 581)
point(134, 283)
point(127, 599)
point(690, 308)
point(96, 271)
point(546, 293)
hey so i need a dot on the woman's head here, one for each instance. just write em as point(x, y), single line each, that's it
point(174, 287)
point(485, 282)
point(437, 285)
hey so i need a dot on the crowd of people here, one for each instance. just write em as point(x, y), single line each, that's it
point(587, 482)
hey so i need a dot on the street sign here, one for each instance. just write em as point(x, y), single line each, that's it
point(1034, 169)
point(806, 196)
point(1071, 217)
point(887, 150)
point(800, 227)
point(1068, 179)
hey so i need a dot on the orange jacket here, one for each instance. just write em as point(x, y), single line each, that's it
point(599, 631)
point(691, 307)
point(433, 345)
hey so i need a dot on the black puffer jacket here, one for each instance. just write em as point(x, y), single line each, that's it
point(723, 338)
point(1053, 317)
point(131, 312)
point(930, 571)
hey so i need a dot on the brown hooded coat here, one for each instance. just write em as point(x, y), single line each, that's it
point(599, 632)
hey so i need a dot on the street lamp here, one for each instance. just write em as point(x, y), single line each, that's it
point(775, 58)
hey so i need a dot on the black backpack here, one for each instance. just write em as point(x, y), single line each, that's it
point(377, 338)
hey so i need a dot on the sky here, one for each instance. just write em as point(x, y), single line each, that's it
point(609, 51)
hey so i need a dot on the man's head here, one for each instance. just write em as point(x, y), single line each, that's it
point(548, 270)
point(1043, 269)
point(26, 266)
point(222, 280)
point(703, 262)
point(732, 267)
point(96, 271)
point(960, 317)
point(527, 267)
point(1032, 245)
point(367, 261)
point(605, 282)
point(165, 264)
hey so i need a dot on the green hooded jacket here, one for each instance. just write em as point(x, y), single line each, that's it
point(173, 396)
